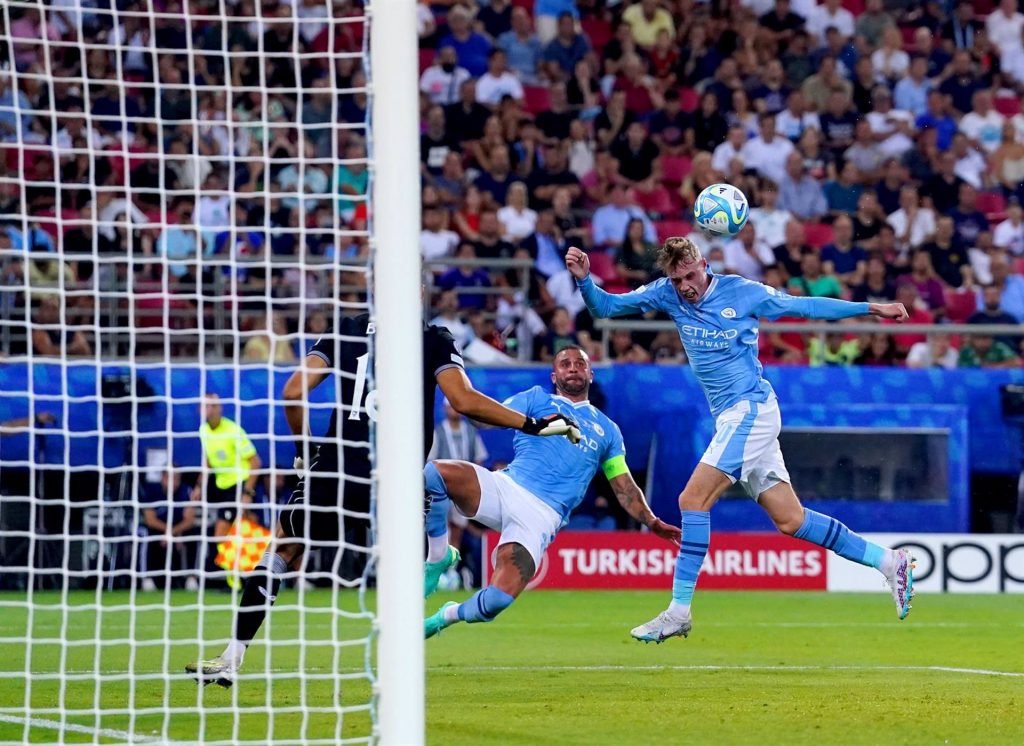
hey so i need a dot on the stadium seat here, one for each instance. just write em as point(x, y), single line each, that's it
point(536, 99)
point(854, 6)
point(602, 264)
point(1008, 106)
point(907, 32)
point(960, 304)
point(689, 99)
point(656, 202)
point(674, 169)
point(818, 234)
point(1018, 266)
point(427, 58)
point(668, 228)
point(598, 30)
point(993, 204)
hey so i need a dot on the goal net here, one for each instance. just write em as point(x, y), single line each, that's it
point(185, 191)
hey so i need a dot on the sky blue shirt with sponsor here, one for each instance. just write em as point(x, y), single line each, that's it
point(554, 469)
point(719, 332)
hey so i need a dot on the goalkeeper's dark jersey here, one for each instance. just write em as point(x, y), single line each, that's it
point(347, 352)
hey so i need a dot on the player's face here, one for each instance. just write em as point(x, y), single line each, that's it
point(571, 374)
point(690, 280)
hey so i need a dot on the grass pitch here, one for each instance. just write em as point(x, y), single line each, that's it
point(556, 668)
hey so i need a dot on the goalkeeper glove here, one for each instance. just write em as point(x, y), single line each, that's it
point(298, 464)
point(553, 424)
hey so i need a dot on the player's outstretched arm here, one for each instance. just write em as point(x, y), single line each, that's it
point(466, 400)
point(774, 304)
point(601, 304)
point(631, 498)
point(313, 372)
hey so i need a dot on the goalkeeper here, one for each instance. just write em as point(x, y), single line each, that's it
point(529, 501)
point(317, 510)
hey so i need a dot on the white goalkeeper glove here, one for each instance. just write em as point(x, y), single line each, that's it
point(553, 424)
point(298, 464)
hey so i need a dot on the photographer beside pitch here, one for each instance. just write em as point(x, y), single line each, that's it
point(717, 317)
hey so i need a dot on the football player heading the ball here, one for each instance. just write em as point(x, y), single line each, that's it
point(717, 317)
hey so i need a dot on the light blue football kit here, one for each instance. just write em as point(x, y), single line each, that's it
point(719, 333)
point(531, 499)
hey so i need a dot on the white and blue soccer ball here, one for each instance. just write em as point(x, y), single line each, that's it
point(721, 210)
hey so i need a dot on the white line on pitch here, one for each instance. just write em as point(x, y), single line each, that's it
point(76, 728)
point(939, 669)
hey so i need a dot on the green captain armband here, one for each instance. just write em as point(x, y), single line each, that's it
point(615, 466)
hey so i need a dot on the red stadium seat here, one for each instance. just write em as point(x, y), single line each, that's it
point(602, 264)
point(1008, 106)
point(655, 202)
point(854, 6)
point(674, 169)
point(427, 58)
point(598, 30)
point(960, 304)
point(689, 99)
point(993, 204)
point(536, 99)
point(1018, 266)
point(908, 37)
point(669, 228)
point(818, 234)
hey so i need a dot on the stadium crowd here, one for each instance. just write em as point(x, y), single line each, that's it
point(880, 142)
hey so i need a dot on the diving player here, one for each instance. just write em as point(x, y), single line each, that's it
point(717, 316)
point(531, 499)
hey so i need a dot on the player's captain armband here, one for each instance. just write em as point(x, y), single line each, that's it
point(615, 466)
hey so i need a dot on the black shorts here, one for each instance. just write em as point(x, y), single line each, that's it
point(224, 502)
point(325, 506)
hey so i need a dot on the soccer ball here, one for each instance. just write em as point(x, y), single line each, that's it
point(721, 210)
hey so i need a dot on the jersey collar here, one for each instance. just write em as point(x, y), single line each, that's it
point(584, 403)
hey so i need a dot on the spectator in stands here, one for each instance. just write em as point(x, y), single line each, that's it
point(448, 316)
point(913, 224)
point(471, 48)
point(523, 48)
point(747, 254)
point(517, 219)
point(889, 61)
point(841, 48)
point(879, 351)
point(865, 154)
point(646, 19)
point(179, 241)
point(767, 217)
point(835, 350)
point(971, 163)
point(1007, 161)
point(623, 349)
point(636, 155)
point(842, 257)
point(928, 289)
point(1011, 287)
point(497, 177)
point(1004, 26)
point(609, 221)
point(442, 80)
point(793, 120)
point(983, 125)
point(813, 281)
point(498, 82)
point(490, 244)
point(968, 221)
point(935, 352)
point(269, 345)
point(636, 260)
point(962, 82)
point(730, 149)
point(937, 117)
point(960, 31)
point(570, 230)
point(983, 351)
point(894, 129)
point(843, 193)
point(466, 117)
point(873, 23)
point(466, 276)
point(799, 193)
point(494, 18)
point(943, 189)
point(559, 336)
point(51, 335)
point(838, 124)
point(868, 220)
point(877, 286)
point(436, 241)
point(170, 520)
point(990, 312)
point(911, 92)
point(1009, 234)
point(820, 87)
point(546, 245)
point(767, 153)
point(789, 255)
point(829, 14)
point(567, 48)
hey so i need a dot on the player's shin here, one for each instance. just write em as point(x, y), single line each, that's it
point(483, 606)
point(829, 533)
point(437, 513)
point(258, 596)
point(694, 548)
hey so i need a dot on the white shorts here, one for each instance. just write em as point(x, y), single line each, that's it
point(520, 516)
point(746, 446)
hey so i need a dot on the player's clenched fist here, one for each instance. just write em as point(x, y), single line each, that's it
point(894, 311)
point(553, 424)
point(577, 262)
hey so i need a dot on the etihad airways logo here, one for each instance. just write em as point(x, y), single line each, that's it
point(699, 332)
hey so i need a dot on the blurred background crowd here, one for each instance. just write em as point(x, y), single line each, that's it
point(880, 143)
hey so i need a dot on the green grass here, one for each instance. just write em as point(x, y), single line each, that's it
point(557, 668)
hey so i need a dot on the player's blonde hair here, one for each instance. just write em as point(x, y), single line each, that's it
point(677, 250)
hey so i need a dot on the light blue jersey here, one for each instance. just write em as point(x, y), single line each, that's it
point(555, 470)
point(719, 332)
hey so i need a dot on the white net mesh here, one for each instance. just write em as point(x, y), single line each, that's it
point(183, 212)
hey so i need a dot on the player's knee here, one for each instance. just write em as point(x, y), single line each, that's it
point(485, 605)
point(292, 522)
